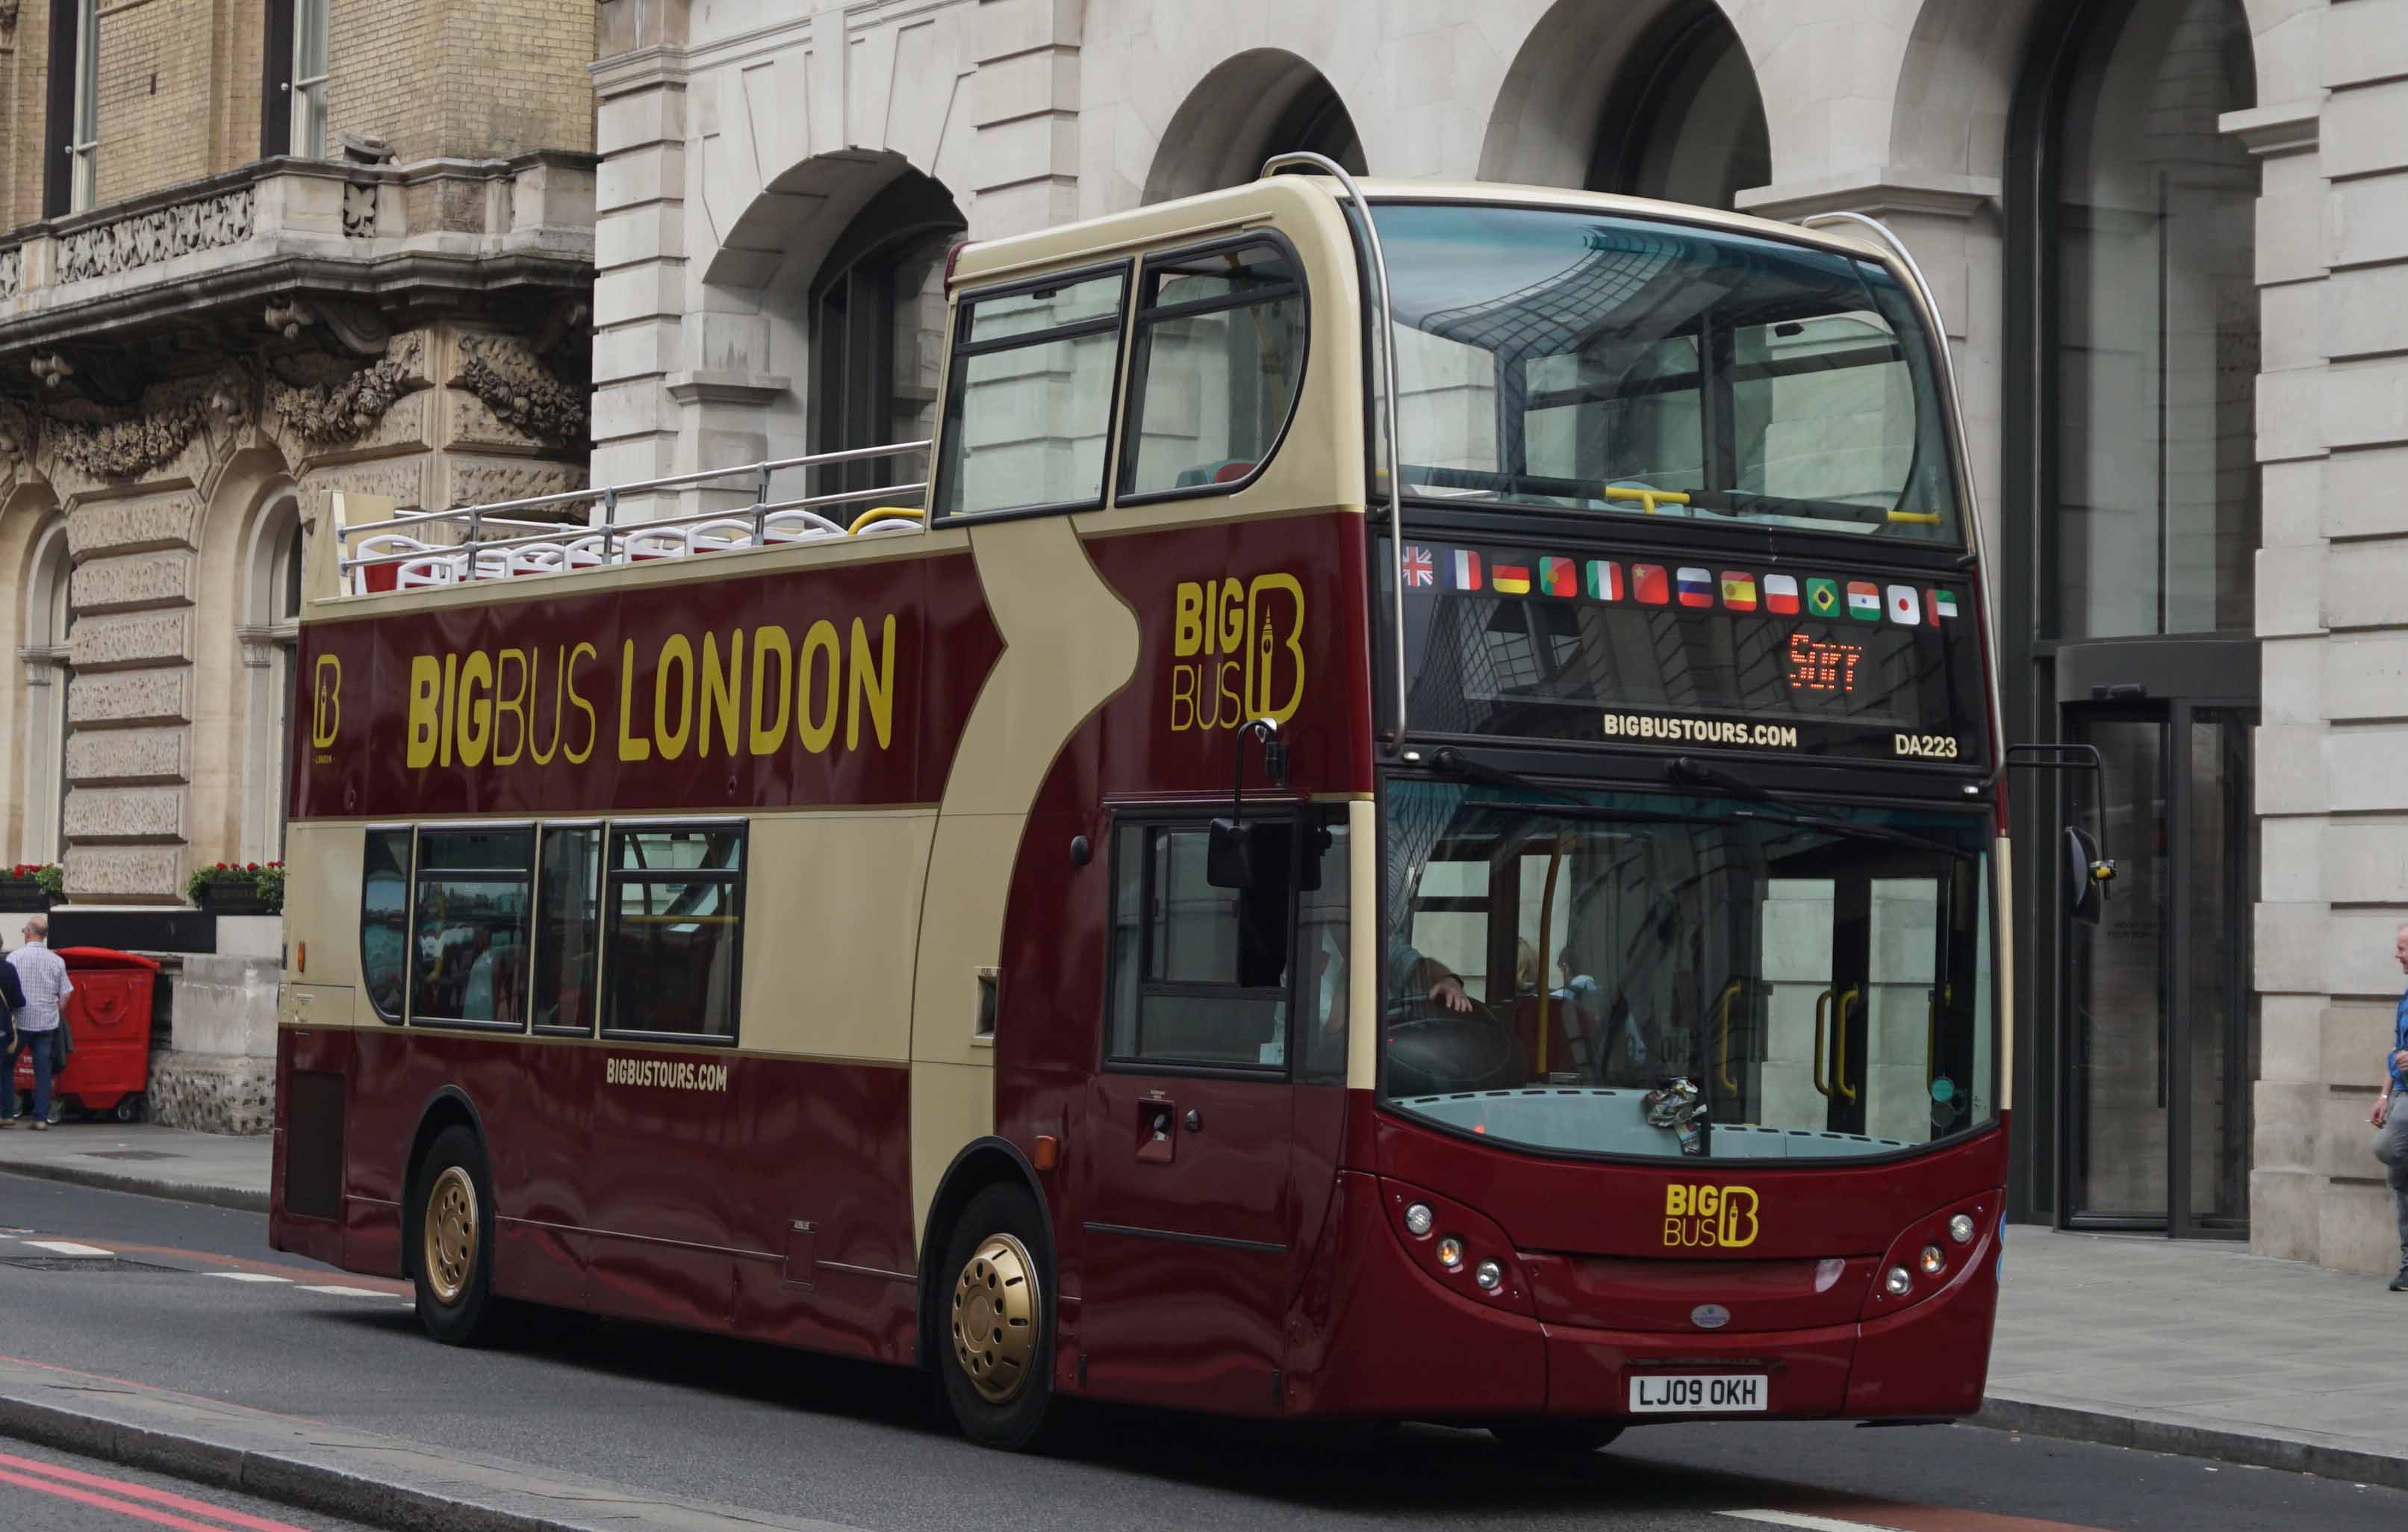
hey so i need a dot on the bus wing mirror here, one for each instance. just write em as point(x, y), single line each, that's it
point(1233, 851)
point(2086, 876)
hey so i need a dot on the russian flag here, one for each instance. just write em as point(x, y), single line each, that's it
point(1695, 586)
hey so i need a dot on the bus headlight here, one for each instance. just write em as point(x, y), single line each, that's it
point(1960, 1228)
point(1450, 1253)
point(1898, 1282)
point(1488, 1275)
point(1418, 1219)
point(1931, 1260)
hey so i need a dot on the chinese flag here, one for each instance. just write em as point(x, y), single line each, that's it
point(1649, 585)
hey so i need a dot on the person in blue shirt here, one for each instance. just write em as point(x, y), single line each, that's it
point(2391, 1125)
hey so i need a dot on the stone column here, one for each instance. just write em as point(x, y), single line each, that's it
point(1026, 166)
point(639, 264)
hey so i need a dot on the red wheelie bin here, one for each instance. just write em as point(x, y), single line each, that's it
point(109, 1012)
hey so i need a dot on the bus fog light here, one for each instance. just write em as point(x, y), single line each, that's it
point(1450, 1253)
point(1960, 1228)
point(1489, 1275)
point(1931, 1260)
point(1898, 1283)
point(1418, 1219)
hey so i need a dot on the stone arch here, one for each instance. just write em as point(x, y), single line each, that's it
point(251, 508)
point(42, 561)
point(1544, 128)
point(1249, 107)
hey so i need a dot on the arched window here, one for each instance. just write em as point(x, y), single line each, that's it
point(878, 328)
point(1263, 101)
point(50, 617)
point(2149, 262)
point(1682, 120)
point(270, 636)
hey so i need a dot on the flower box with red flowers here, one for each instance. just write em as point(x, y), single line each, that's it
point(238, 888)
point(31, 887)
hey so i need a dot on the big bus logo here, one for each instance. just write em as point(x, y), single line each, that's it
point(1237, 651)
point(1718, 1216)
point(326, 702)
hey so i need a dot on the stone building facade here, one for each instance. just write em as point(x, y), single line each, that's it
point(2171, 243)
point(249, 254)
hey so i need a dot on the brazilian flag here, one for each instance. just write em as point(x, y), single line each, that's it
point(1823, 597)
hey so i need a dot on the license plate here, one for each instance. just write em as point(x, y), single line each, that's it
point(1705, 1393)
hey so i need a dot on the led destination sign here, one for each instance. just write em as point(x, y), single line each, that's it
point(1628, 651)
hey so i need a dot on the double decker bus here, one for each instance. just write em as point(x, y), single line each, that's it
point(1405, 823)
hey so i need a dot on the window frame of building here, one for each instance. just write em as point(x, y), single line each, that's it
point(968, 349)
point(270, 639)
point(71, 129)
point(1151, 315)
point(615, 945)
point(48, 655)
point(309, 134)
point(855, 302)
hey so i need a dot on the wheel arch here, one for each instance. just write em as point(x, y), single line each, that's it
point(981, 1163)
point(448, 1107)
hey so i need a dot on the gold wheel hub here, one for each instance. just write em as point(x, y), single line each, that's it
point(450, 1231)
point(995, 1318)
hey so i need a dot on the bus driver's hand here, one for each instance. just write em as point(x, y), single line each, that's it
point(1448, 992)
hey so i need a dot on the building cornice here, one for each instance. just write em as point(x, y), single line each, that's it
point(2287, 127)
point(1878, 192)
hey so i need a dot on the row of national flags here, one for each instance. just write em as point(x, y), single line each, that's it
point(1683, 585)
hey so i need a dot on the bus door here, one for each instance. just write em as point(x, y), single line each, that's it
point(1865, 958)
point(1196, 1232)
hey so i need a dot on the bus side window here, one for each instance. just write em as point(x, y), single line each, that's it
point(1217, 368)
point(1200, 973)
point(470, 924)
point(676, 913)
point(384, 920)
point(1323, 948)
point(568, 930)
point(1028, 399)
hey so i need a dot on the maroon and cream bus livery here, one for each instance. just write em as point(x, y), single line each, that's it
point(1399, 817)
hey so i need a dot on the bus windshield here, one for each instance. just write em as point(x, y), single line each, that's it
point(1577, 361)
point(1662, 976)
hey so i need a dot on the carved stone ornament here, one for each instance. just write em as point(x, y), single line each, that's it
point(359, 210)
point(12, 262)
point(130, 449)
point(8, 15)
point(16, 434)
point(330, 414)
point(141, 240)
point(519, 389)
point(51, 368)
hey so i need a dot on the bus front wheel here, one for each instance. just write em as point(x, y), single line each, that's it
point(452, 1240)
point(995, 1332)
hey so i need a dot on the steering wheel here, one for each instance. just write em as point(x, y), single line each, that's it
point(1432, 1052)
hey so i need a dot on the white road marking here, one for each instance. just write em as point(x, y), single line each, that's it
point(1810, 1523)
point(351, 1292)
point(66, 1247)
point(246, 1276)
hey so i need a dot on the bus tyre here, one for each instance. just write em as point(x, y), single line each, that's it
point(994, 1330)
point(1555, 1438)
point(450, 1241)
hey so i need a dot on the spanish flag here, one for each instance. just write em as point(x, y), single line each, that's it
point(1739, 590)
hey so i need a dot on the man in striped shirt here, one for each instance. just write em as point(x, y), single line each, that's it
point(42, 974)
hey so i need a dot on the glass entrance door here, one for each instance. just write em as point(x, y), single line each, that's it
point(2157, 996)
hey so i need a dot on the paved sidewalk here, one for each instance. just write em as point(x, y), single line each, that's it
point(2179, 1346)
point(2200, 1347)
point(220, 1170)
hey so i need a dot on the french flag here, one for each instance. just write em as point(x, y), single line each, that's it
point(1466, 569)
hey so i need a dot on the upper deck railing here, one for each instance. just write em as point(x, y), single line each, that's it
point(396, 553)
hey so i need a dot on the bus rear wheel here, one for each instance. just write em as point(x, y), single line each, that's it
point(1555, 1438)
point(450, 1241)
point(995, 1332)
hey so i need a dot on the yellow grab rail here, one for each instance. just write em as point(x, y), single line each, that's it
point(881, 512)
point(1821, 1039)
point(1722, 1039)
point(1648, 499)
point(1840, 1046)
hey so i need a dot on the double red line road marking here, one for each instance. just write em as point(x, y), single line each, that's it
point(137, 1502)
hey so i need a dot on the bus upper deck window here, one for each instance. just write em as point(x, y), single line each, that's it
point(1216, 369)
point(1028, 401)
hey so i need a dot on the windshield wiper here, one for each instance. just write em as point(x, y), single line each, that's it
point(1457, 763)
point(1688, 770)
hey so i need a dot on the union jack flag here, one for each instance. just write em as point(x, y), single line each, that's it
point(1420, 567)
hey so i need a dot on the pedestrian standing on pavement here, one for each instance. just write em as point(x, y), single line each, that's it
point(2392, 1122)
point(41, 977)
